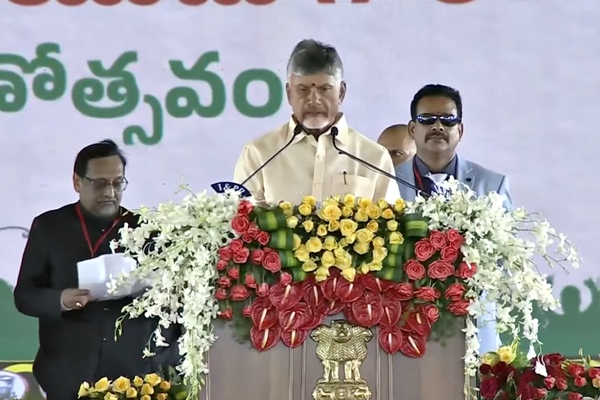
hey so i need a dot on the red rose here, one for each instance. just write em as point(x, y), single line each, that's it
point(449, 254)
point(455, 292)
point(575, 369)
point(285, 279)
point(236, 245)
point(262, 290)
point(541, 393)
point(240, 224)
point(455, 239)
point(427, 294)
point(226, 313)
point(437, 240)
point(250, 281)
point(580, 381)
point(251, 233)
point(549, 382)
point(247, 238)
point(257, 256)
point(561, 384)
point(404, 291)
point(431, 312)
point(424, 250)
point(234, 273)
point(594, 372)
point(224, 282)
point(263, 238)
point(460, 307)
point(489, 387)
point(271, 262)
point(414, 270)
point(245, 207)
point(239, 293)
point(221, 294)
point(247, 311)
point(574, 396)
point(221, 265)
point(241, 256)
point(225, 253)
point(439, 270)
point(485, 369)
point(466, 271)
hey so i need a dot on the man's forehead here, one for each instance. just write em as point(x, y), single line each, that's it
point(108, 166)
point(313, 80)
point(397, 137)
point(436, 105)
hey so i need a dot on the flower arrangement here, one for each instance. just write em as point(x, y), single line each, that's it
point(150, 387)
point(275, 272)
point(508, 374)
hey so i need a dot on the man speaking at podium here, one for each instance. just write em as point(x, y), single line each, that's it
point(307, 161)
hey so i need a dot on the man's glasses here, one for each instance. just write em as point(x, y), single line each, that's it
point(100, 185)
point(445, 120)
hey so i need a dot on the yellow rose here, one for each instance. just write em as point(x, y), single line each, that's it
point(287, 207)
point(396, 238)
point(147, 389)
point(400, 205)
point(138, 382)
point(314, 245)
point(165, 385)
point(364, 268)
point(162, 396)
point(331, 201)
point(378, 242)
point(342, 242)
point(131, 393)
point(383, 204)
point(351, 239)
point(297, 241)
point(321, 274)
point(375, 266)
point(392, 225)
point(331, 213)
point(301, 253)
point(490, 358)
point(363, 202)
point(333, 226)
point(364, 236)
point(102, 385)
point(111, 396)
point(379, 253)
point(349, 200)
point(373, 226)
point(292, 221)
point(347, 212)
point(596, 383)
point(121, 384)
point(361, 248)
point(506, 354)
point(343, 261)
point(387, 213)
point(339, 252)
point(322, 230)
point(152, 379)
point(310, 200)
point(84, 389)
point(327, 259)
point(348, 227)
point(361, 215)
point(309, 266)
point(145, 397)
point(349, 274)
point(330, 243)
point(308, 225)
point(305, 209)
point(373, 211)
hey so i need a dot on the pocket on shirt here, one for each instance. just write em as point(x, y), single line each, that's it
point(357, 185)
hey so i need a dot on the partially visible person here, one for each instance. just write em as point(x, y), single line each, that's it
point(311, 165)
point(76, 334)
point(399, 144)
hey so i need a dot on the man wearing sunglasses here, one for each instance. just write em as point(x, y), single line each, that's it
point(437, 128)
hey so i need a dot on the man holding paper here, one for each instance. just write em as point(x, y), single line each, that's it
point(62, 282)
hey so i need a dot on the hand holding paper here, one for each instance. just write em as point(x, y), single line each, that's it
point(95, 274)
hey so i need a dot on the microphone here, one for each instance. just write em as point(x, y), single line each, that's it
point(297, 129)
point(335, 132)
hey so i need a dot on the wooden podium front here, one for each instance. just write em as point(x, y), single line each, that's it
point(238, 371)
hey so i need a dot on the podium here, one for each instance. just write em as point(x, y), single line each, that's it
point(238, 371)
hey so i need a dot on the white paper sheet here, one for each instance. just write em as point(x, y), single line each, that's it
point(95, 274)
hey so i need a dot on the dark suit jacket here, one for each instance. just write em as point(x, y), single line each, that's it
point(79, 345)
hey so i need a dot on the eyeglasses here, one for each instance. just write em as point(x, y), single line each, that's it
point(100, 185)
point(445, 120)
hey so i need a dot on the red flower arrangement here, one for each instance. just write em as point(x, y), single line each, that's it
point(255, 286)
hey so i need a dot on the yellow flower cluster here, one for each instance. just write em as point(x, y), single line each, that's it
point(349, 233)
point(151, 387)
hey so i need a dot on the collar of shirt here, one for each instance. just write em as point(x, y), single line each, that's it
point(341, 124)
point(450, 169)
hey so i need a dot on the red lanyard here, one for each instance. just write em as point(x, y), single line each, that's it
point(418, 180)
point(86, 234)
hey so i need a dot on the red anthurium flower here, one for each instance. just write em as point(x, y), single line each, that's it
point(263, 314)
point(368, 310)
point(349, 291)
point(265, 339)
point(285, 297)
point(390, 339)
point(296, 317)
point(413, 345)
point(294, 338)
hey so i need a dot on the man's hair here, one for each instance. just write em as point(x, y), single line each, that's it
point(311, 57)
point(437, 91)
point(105, 148)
